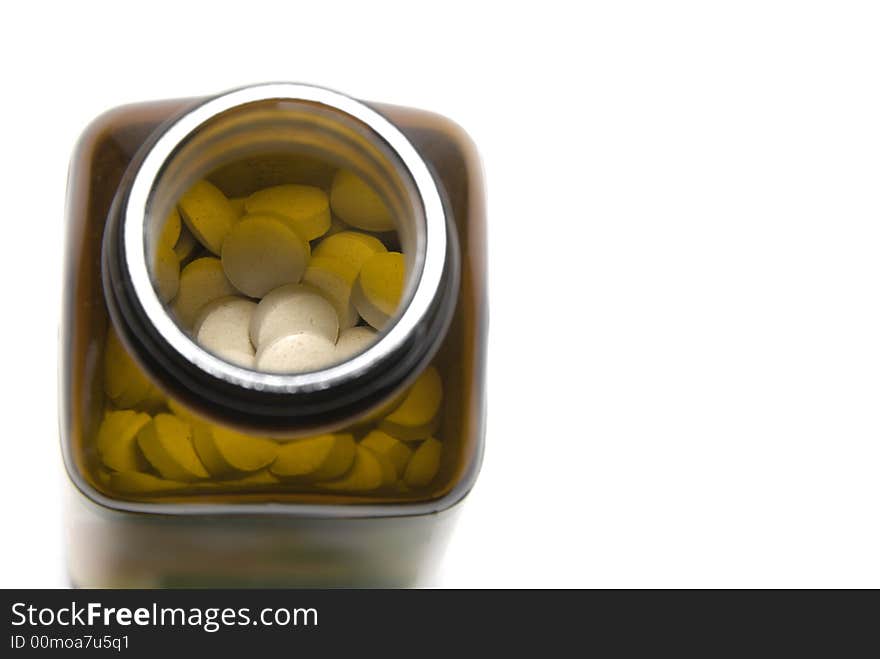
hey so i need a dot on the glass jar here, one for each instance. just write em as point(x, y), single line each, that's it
point(188, 465)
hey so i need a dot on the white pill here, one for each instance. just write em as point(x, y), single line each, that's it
point(223, 328)
point(353, 341)
point(290, 309)
point(296, 353)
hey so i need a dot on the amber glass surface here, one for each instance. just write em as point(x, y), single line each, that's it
point(100, 160)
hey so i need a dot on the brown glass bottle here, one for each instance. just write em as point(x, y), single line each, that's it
point(278, 535)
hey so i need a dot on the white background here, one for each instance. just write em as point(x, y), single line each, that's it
point(684, 201)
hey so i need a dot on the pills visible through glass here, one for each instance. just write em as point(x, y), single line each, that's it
point(279, 274)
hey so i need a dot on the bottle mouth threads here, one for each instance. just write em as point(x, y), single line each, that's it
point(260, 126)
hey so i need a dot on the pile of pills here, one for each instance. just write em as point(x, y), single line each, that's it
point(290, 279)
point(149, 445)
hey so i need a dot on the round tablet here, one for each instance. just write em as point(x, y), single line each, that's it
point(352, 247)
point(227, 452)
point(261, 253)
point(416, 416)
point(170, 231)
point(296, 353)
point(370, 471)
point(322, 457)
point(116, 442)
point(304, 207)
point(376, 293)
point(166, 442)
point(335, 279)
point(394, 449)
point(354, 341)
point(223, 328)
point(292, 309)
point(424, 464)
point(208, 214)
point(201, 281)
point(357, 203)
point(166, 272)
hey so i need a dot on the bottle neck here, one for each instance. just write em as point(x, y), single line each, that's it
point(248, 125)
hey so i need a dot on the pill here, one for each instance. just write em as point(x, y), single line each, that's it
point(424, 464)
point(262, 253)
point(354, 341)
point(395, 450)
point(416, 417)
point(292, 309)
point(223, 328)
point(201, 281)
point(305, 208)
point(296, 353)
point(185, 245)
point(377, 291)
point(124, 381)
point(166, 272)
point(334, 278)
point(226, 452)
point(357, 203)
point(170, 231)
point(369, 471)
point(353, 247)
point(166, 442)
point(116, 441)
point(208, 214)
point(135, 482)
point(322, 457)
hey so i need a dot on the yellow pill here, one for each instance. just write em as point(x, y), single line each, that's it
point(379, 287)
point(124, 382)
point(166, 272)
point(322, 457)
point(296, 353)
point(352, 247)
point(170, 231)
point(357, 203)
point(201, 282)
point(395, 450)
point(185, 245)
point(305, 208)
point(417, 415)
point(334, 278)
point(222, 327)
point(116, 442)
point(261, 253)
point(226, 452)
point(135, 482)
point(370, 471)
point(208, 214)
point(184, 413)
point(354, 341)
point(292, 309)
point(166, 442)
point(424, 464)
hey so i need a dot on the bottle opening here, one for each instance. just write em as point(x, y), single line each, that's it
point(284, 237)
point(283, 256)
